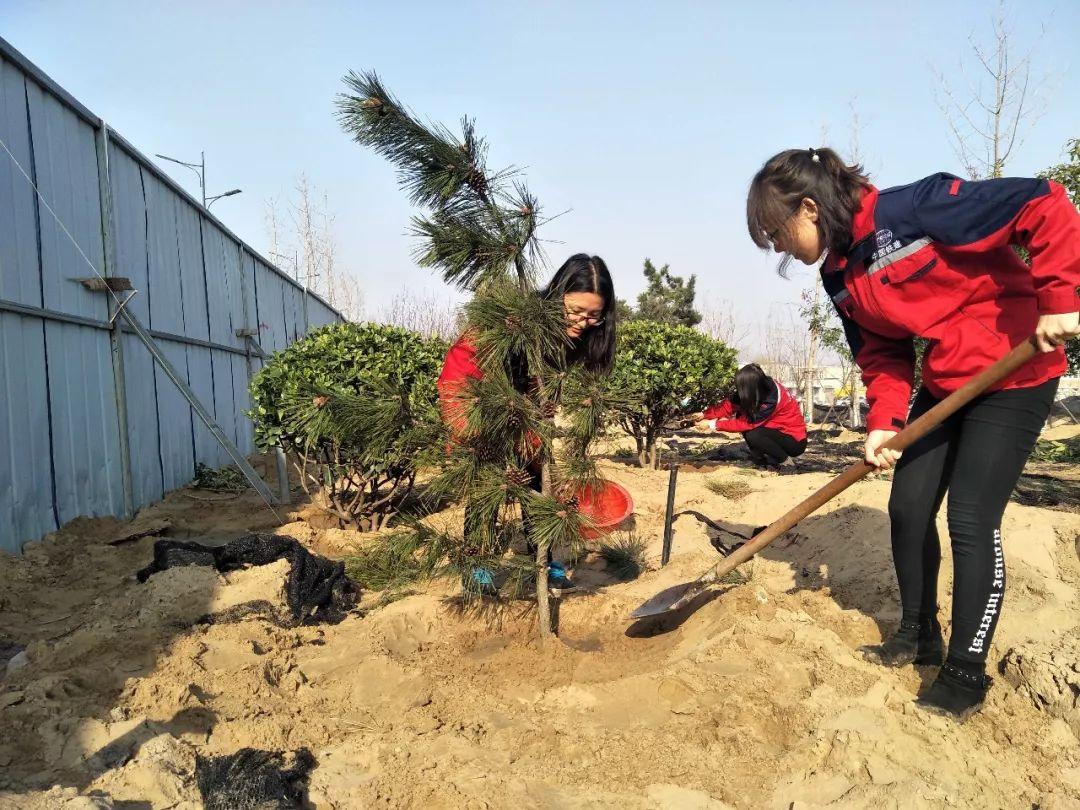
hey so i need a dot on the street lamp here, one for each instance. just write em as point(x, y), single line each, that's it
point(200, 169)
point(211, 200)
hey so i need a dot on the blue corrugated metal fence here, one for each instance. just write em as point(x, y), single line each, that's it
point(69, 380)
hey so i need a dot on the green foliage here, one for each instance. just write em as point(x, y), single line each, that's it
point(482, 225)
point(625, 555)
point(356, 403)
point(1064, 451)
point(1072, 352)
point(479, 231)
point(343, 358)
point(703, 449)
point(667, 299)
point(226, 479)
point(391, 562)
point(399, 559)
point(823, 322)
point(661, 371)
point(1068, 174)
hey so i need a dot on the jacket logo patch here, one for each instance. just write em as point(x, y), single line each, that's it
point(886, 243)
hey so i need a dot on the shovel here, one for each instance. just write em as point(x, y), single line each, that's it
point(679, 596)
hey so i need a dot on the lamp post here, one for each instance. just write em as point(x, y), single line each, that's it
point(211, 200)
point(200, 169)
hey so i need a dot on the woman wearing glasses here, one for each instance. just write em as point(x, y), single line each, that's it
point(584, 286)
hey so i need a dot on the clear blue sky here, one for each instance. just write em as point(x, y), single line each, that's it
point(646, 119)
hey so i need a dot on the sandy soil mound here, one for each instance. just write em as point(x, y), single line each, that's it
point(757, 698)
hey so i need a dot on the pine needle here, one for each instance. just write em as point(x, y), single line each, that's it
point(732, 489)
point(625, 556)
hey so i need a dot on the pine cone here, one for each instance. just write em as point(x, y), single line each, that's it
point(485, 453)
point(513, 415)
point(517, 477)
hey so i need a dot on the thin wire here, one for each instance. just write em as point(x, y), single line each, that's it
point(59, 222)
point(119, 304)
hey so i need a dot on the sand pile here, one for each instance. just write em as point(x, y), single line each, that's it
point(757, 699)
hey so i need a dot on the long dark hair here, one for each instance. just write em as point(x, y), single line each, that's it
point(787, 178)
point(752, 386)
point(595, 349)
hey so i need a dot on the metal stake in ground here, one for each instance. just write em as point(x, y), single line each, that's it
point(669, 515)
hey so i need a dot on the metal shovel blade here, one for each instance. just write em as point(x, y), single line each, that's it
point(667, 599)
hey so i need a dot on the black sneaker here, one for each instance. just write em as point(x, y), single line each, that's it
point(914, 643)
point(955, 693)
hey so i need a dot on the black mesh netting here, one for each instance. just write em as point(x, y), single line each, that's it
point(254, 780)
point(317, 589)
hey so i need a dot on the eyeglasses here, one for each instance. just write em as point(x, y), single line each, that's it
point(584, 317)
point(773, 235)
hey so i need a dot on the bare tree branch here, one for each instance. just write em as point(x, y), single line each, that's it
point(1005, 112)
point(309, 238)
point(429, 315)
point(720, 322)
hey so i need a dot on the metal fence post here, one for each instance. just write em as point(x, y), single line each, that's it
point(284, 491)
point(101, 141)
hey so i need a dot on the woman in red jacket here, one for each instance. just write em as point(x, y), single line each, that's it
point(584, 286)
point(935, 259)
point(765, 413)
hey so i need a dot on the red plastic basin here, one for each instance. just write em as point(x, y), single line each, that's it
point(607, 506)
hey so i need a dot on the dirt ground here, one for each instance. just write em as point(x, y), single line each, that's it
point(757, 698)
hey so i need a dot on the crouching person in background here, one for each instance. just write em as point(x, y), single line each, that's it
point(762, 410)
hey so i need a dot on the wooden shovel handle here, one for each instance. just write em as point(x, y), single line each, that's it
point(905, 438)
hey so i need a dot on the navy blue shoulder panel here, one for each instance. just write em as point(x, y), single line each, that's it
point(896, 222)
point(958, 212)
point(768, 405)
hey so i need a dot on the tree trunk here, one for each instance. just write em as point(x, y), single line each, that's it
point(856, 415)
point(542, 606)
point(811, 360)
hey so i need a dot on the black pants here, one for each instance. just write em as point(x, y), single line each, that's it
point(976, 455)
point(480, 536)
point(770, 446)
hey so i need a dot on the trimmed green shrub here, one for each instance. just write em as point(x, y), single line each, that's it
point(664, 370)
point(356, 405)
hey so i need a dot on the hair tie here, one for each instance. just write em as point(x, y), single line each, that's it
point(814, 156)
